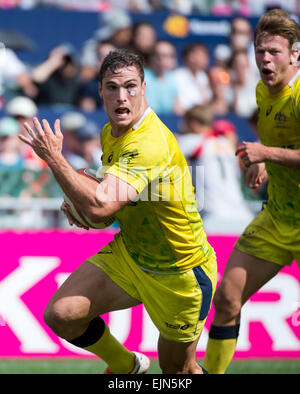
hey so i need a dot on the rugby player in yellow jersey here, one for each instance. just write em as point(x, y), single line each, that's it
point(272, 239)
point(160, 257)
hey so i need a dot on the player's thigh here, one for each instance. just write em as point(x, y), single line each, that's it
point(89, 292)
point(243, 276)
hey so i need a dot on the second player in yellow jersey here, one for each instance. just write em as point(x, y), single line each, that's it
point(272, 239)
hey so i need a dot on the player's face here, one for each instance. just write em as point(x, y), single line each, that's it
point(123, 94)
point(275, 61)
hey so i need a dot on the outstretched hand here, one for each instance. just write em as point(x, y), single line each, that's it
point(45, 143)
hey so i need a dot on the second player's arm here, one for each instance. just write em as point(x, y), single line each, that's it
point(255, 152)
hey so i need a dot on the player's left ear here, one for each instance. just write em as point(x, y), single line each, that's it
point(144, 87)
point(294, 57)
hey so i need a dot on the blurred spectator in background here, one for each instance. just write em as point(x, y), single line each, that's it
point(90, 67)
point(243, 82)
point(221, 102)
point(23, 109)
point(81, 141)
point(14, 75)
point(240, 39)
point(214, 7)
point(10, 155)
point(89, 99)
point(259, 7)
point(71, 122)
point(143, 6)
point(229, 7)
point(161, 87)
point(222, 54)
point(89, 143)
point(143, 39)
point(188, 7)
point(210, 149)
point(57, 78)
point(116, 27)
point(192, 79)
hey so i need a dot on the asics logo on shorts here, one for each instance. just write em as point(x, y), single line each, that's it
point(177, 326)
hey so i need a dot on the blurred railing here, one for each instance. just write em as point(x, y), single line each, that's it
point(31, 199)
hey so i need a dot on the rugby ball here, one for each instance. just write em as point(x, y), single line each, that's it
point(80, 216)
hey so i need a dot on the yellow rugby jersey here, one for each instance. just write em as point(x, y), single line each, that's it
point(162, 230)
point(279, 125)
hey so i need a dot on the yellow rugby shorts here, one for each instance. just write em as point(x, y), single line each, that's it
point(271, 239)
point(178, 304)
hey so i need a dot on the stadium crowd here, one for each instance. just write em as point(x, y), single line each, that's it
point(213, 7)
point(197, 86)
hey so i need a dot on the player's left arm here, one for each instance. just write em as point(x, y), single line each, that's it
point(255, 152)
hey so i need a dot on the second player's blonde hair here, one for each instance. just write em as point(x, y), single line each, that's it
point(277, 23)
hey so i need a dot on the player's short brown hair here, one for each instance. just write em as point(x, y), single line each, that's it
point(277, 22)
point(121, 58)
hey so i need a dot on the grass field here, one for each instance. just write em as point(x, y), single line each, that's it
point(96, 367)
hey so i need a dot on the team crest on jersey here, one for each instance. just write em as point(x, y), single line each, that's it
point(280, 119)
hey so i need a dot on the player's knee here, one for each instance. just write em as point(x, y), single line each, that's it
point(226, 304)
point(55, 318)
point(62, 318)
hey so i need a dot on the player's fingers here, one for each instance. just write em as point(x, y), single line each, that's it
point(66, 210)
point(70, 218)
point(26, 140)
point(253, 181)
point(47, 128)
point(244, 157)
point(29, 130)
point(38, 127)
point(240, 150)
point(72, 221)
point(64, 206)
point(57, 129)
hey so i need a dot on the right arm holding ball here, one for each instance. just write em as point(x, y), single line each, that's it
point(97, 201)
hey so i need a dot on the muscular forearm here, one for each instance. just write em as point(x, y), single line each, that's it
point(255, 152)
point(283, 156)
